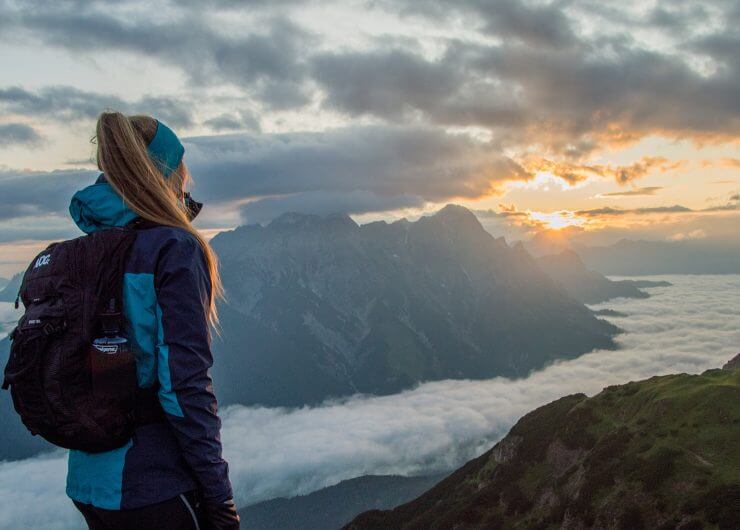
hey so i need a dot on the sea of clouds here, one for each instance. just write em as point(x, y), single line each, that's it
point(689, 327)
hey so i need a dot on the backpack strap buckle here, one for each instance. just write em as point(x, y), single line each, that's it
point(50, 328)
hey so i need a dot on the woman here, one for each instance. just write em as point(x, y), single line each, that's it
point(171, 474)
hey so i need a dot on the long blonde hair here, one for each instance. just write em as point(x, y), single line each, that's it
point(123, 158)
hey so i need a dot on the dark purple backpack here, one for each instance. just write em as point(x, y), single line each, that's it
point(50, 372)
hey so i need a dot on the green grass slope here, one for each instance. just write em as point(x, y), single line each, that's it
point(661, 453)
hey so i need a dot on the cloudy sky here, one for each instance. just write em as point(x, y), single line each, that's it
point(607, 118)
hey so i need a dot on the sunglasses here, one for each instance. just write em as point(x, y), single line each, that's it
point(194, 207)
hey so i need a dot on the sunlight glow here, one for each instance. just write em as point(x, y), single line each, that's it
point(546, 181)
point(558, 220)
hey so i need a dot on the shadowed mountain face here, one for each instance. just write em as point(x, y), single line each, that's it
point(585, 285)
point(9, 291)
point(321, 307)
point(661, 453)
point(333, 507)
point(628, 257)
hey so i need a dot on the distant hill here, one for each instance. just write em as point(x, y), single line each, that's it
point(585, 285)
point(588, 286)
point(628, 257)
point(3, 282)
point(10, 290)
point(320, 307)
point(333, 507)
point(634, 258)
point(659, 453)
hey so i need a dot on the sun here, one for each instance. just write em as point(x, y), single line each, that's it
point(558, 220)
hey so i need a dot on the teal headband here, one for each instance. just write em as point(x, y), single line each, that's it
point(165, 150)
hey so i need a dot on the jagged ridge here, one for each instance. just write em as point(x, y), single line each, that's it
point(319, 307)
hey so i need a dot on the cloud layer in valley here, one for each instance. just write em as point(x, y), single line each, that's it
point(689, 327)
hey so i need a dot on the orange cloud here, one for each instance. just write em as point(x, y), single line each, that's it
point(574, 173)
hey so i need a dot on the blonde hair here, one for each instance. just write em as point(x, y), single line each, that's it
point(123, 158)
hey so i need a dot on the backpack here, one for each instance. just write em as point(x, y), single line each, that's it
point(67, 291)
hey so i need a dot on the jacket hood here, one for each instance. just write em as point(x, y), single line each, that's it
point(98, 207)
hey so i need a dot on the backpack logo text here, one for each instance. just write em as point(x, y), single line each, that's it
point(42, 260)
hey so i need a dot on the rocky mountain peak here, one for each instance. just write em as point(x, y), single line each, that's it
point(454, 213)
point(454, 219)
point(567, 257)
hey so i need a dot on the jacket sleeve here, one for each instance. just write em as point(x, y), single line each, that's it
point(184, 357)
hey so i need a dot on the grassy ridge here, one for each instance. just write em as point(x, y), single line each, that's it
point(660, 453)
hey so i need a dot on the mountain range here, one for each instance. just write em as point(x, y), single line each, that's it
point(9, 291)
point(588, 286)
point(660, 453)
point(320, 307)
point(635, 258)
point(629, 257)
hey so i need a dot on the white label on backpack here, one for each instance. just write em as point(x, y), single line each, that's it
point(42, 260)
point(106, 349)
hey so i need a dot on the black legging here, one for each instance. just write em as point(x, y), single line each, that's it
point(183, 512)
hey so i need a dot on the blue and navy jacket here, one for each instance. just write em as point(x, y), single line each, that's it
point(166, 292)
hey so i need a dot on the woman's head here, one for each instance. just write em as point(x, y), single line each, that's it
point(147, 181)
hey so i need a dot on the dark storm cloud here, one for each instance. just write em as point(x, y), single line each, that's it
point(531, 73)
point(384, 83)
point(325, 203)
point(283, 94)
point(234, 121)
point(527, 72)
point(729, 207)
point(238, 4)
point(539, 25)
point(536, 80)
point(186, 41)
point(18, 134)
point(676, 209)
point(383, 160)
point(35, 194)
point(563, 96)
point(567, 97)
point(608, 211)
point(721, 47)
point(527, 22)
point(350, 170)
point(637, 192)
point(676, 17)
point(52, 229)
point(65, 103)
